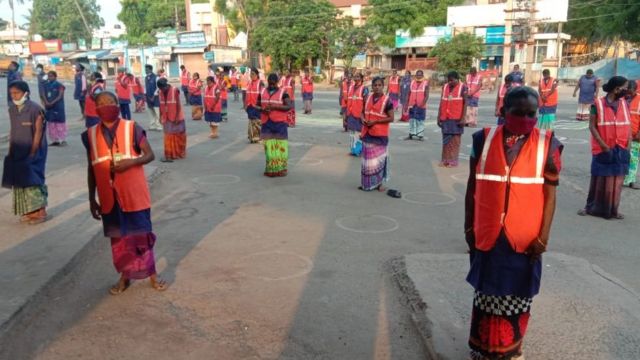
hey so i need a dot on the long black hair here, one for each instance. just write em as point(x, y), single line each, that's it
point(613, 83)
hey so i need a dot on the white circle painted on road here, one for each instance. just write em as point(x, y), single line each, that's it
point(428, 198)
point(274, 265)
point(306, 161)
point(216, 179)
point(368, 224)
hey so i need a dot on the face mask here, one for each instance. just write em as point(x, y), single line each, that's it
point(108, 112)
point(620, 94)
point(39, 71)
point(520, 125)
point(45, 77)
point(22, 100)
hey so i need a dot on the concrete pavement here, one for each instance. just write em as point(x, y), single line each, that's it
point(293, 268)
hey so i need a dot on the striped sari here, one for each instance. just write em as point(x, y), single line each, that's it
point(375, 165)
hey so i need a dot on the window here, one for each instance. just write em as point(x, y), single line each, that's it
point(541, 50)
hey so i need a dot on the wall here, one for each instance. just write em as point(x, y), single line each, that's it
point(603, 69)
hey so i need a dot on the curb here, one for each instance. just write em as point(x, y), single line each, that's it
point(416, 304)
point(28, 312)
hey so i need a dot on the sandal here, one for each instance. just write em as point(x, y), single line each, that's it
point(394, 193)
point(160, 285)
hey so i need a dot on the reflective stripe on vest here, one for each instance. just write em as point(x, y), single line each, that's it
point(95, 158)
point(355, 101)
point(210, 99)
point(539, 179)
point(451, 106)
point(273, 99)
point(545, 88)
point(509, 198)
point(614, 128)
point(417, 95)
point(252, 93)
point(375, 111)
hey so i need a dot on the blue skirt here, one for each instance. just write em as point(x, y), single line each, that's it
point(195, 100)
point(354, 123)
point(417, 113)
point(212, 117)
point(307, 96)
point(253, 113)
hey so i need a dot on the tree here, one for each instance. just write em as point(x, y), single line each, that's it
point(457, 53)
point(387, 16)
point(60, 19)
point(604, 21)
point(242, 15)
point(293, 32)
point(349, 41)
point(144, 18)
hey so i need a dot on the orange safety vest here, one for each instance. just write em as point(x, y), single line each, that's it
point(501, 94)
point(222, 85)
point(195, 87)
point(138, 89)
point(130, 187)
point(274, 99)
point(287, 86)
point(234, 79)
point(355, 101)
point(545, 88)
point(210, 102)
point(473, 83)
point(634, 110)
point(90, 102)
point(510, 198)
point(307, 85)
point(613, 127)
point(185, 78)
point(394, 85)
point(122, 88)
point(375, 111)
point(417, 93)
point(253, 92)
point(345, 92)
point(170, 109)
point(451, 104)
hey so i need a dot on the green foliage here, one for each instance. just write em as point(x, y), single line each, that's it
point(143, 18)
point(60, 19)
point(242, 15)
point(349, 41)
point(604, 20)
point(294, 31)
point(387, 16)
point(457, 53)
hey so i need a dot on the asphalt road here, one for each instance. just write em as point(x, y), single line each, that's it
point(293, 268)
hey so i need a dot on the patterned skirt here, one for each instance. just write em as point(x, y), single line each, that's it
point(29, 199)
point(498, 326)
point(450, 149)
point(277, 156)
point(584, 112)
point(175, 140)
point(547, 117)
point(374, 170)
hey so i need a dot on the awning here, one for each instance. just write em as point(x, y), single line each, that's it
point(108, 57)
point(97, 54)
point(78, 55)
point(61, 54)
point(189, 50)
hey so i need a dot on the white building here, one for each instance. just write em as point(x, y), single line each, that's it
point(512, 35)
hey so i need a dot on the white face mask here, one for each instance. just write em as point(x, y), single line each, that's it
point(45, 77)
point(23, 100)
point(39, 71)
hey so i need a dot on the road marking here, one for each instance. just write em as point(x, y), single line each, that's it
point(450, 199)
point(373, 218)
point(225, 147)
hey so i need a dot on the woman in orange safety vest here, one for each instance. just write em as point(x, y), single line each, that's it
point(172, 119)
point(509, 207)
point(548, 90)
point(275, 104)
point(451, 118)
point(610, 127)
point(117, 150)
point(378, 114)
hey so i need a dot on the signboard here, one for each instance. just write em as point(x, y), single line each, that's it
point(209, 56)
point(45, 46)
point(12, 49)
point(195, 38)
point(167, 38)
point(82, 44)
point(491, 35)
point(69, 47)
point(429, 37)
point(96, 43)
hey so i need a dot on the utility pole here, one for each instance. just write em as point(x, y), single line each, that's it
point(531, 42)
point(508, 39)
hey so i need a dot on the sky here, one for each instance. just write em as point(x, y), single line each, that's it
point(109, 10)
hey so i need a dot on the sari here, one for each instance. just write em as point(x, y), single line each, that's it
point(375, 162)
point(276, 148)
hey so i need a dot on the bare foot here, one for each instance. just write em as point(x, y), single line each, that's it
point(120, 287)
point(158, 283)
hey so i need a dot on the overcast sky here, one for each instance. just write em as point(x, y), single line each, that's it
point(109, 10)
